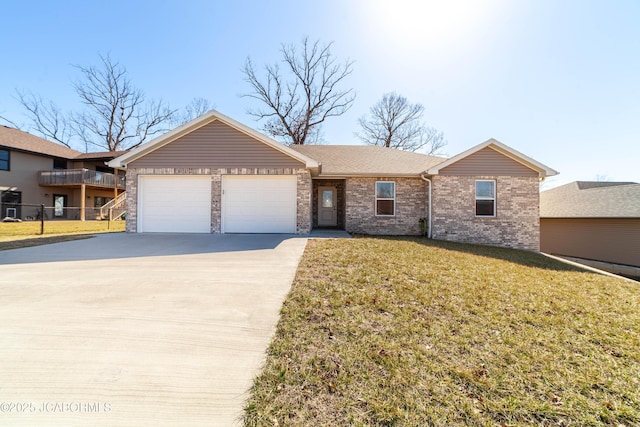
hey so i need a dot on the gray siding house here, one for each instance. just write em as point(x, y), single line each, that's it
point(71, 185)
point(597, 221)
point(216, 175)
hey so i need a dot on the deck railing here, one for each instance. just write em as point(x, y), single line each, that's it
point(81, 176)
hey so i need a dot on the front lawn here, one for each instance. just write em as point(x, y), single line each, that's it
point(412, 332)
point(22, 234)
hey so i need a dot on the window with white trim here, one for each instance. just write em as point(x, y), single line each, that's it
point(385, 198)
point(485, 197)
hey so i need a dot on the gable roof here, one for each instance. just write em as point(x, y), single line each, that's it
point(543, 171)
point(336, 160)
point(144, 149)
point(588, 199)
point(367, 160)
point(23, 141)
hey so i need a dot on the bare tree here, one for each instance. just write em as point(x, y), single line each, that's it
point(197, 107)
point(396, 123)
point(46, 118)
point(116, 115)
point(10, 122)
point(299, 101)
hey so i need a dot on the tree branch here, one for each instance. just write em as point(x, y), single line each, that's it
point(396, 123)
point(46, 118)
point(116, 115)
point(296, 106)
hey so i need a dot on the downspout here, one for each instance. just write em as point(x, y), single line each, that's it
point(429, 206)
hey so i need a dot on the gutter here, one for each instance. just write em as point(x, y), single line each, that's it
point(429, 206)
point(338, 175)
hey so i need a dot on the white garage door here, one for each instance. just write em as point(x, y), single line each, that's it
point(259, 204)
point(174, 204)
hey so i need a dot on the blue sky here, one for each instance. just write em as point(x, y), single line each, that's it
point(558, 80)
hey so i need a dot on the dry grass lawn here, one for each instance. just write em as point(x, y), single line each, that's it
point(411, 332)
point(22, 234)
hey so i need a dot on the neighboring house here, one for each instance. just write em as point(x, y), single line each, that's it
point(592, 220)
point(35, 171)
point(216, 175)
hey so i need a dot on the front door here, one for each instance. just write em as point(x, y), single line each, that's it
point(327, 209)
point(60, 205)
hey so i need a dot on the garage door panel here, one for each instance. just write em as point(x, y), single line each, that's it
point(178, 204)
point(259, 204)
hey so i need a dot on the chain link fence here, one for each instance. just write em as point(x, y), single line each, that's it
point(32, 212)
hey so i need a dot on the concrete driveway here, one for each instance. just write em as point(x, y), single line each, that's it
point(139, 329)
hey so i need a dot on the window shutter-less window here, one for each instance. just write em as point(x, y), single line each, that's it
point(485, 198)
point(385, 198)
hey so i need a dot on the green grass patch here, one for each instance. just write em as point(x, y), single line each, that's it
point(21, 234)
point(408, 332)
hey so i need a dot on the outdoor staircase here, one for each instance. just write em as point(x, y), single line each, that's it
point(115, 208)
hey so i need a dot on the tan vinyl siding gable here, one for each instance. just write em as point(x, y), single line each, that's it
point(216, 145)
point(487, 162)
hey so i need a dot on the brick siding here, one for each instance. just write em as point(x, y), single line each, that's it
point(303, 203)
point(517, 222)
point(411, 203)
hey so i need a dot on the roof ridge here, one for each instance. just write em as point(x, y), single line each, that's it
point(592, 185)
point(365, 146)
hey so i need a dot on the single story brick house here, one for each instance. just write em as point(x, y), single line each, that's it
point(598, 221)
point(216, 175)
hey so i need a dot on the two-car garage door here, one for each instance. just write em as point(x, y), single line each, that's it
point(250, 204)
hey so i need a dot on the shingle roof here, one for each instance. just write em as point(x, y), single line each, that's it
point(588, 199)
point(346, 160)
point(14, 138)
point(19, 140)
